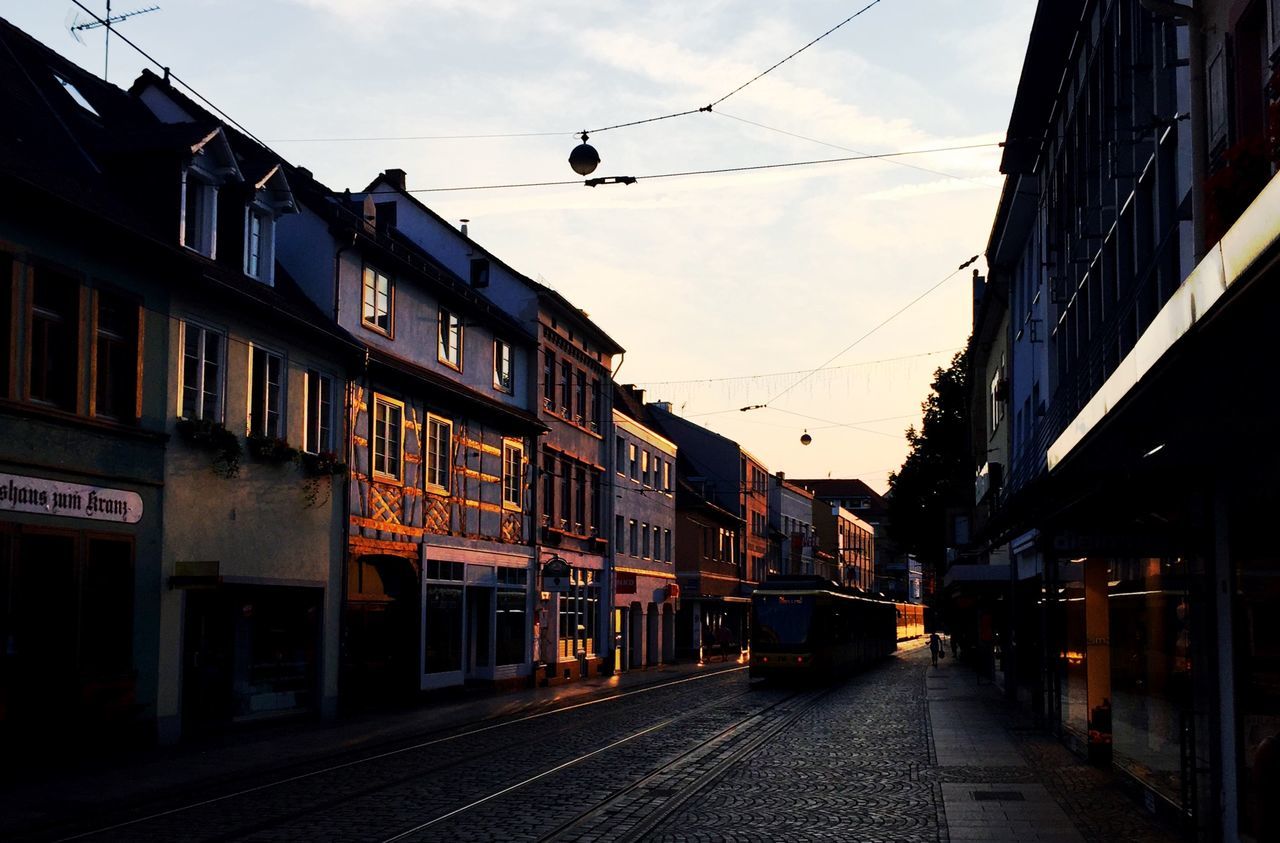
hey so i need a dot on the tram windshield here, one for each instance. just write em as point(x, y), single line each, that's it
point(782, 619)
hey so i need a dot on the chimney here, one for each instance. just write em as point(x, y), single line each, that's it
point(782, 475)
point(979, 287)
point(396, 177)
point(463, 227)
point(664, 406)
point(305, 173)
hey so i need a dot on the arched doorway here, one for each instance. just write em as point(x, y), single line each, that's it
point(635, 641)
point(668, 634)
point(652, 653)
point(380, 655)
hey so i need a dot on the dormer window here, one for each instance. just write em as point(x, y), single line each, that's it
point(199, 210)
point(258, 241)
point(272, 198)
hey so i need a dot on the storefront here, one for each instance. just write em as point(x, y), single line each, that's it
point(475, 620)
point(644, 617)
point(69, 645)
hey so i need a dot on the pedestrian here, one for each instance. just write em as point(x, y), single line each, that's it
point(935, 647)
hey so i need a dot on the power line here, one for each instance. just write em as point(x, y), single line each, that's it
point(425, 137)
point(648, 384)
point(773, 67)
point(877, 327)
point(708, 172)
point(851, 149)
point(168, 75)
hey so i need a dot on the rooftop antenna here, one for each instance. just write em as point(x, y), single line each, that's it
point(75, 27)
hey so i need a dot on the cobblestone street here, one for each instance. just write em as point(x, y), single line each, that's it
point(902, 752)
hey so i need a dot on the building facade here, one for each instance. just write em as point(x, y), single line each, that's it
point(791, 527)
point(645, 586)
point(1135, 241)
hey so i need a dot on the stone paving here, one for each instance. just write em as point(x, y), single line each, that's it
point(902, 752)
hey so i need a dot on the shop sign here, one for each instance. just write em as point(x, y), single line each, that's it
point(625, 583)
point(555, 575)
point(68, 500)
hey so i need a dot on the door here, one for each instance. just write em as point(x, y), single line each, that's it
point(206, 662)
point(479, 622)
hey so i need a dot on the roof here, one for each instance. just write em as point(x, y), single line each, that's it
point(1053, 31)
point(544, 292)
point(831, 488)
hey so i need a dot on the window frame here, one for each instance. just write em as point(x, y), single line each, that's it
point(504, 353)
point(377, 474)
point(512, 485)
point(368, 308)
point(455, 329)
point(320, 440)
point(281, 388)
point(205, 241)
point(430, 469)
point(131, 343)
point(265, 271)
point(220, 396)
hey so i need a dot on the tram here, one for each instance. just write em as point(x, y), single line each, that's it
point(809, 628)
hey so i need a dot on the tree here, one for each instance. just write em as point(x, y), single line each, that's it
point(938, 472)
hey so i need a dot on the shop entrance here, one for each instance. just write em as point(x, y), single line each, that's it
point(380, 658)
point(479, 640)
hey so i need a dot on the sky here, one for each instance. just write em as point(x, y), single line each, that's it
point(727, 290)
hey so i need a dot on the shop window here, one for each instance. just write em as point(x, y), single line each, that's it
point(377, 312)
point(388, 439)
point(55, 339)
point(201, 394)
point(579, 614)
point(266, 373)
point(106, 612)
point(439, 453)
point(318, 435)
point(116, 358)
point(449, 347)
point(512, 472)
point(443, 633)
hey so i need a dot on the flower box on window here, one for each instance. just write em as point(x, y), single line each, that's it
point(270, 449)
point(322, 464)
point(209, 435)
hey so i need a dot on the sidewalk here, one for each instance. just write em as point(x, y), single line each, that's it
point(151, 776)
point(1001, 779)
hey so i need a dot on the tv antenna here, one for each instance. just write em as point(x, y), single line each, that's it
point(75, 26)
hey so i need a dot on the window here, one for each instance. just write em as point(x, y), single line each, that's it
point(6, 320)
point(201, 373)
point(580, 397)
point(379, 302)
point(666, 538)
point(657, 543)
point(265, 373)
point(635, 462)
point(512, 472)
point(595, 418)
point(317, 437)
point(548, 379)
point(55, 339)
point(633, 545)
point(503, 374)
point(115, 392)
point(449, 349)
point(566, 384)
point(512, 626)
point(75, 94)
point(199, 211)
point(439, 453)
point(388, 440)
point(259, 226)
point(580, 500)
point(666, 476)
point(644, 468)
point(548, 486)
point(479, 272)
point(644, 540)
point(620, 459)
point(566, 494)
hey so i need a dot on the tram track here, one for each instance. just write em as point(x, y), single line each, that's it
point(738, 738)
point(121, 829)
